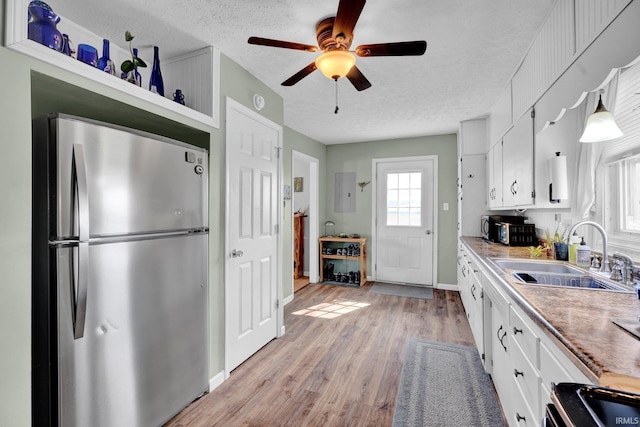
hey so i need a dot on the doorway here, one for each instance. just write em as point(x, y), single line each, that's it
point(405, 220)
point(305, 201)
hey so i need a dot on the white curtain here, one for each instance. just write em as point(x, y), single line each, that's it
point(589, 154)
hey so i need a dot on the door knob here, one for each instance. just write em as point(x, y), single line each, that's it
point(236, 253)
point(427, 232)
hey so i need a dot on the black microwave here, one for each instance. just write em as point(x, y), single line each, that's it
point(489, 225)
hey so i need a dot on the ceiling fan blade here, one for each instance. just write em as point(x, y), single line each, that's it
point(284, 44)
point(357, 79)
point(414, 48)
point(300, 75)
point(346, 18)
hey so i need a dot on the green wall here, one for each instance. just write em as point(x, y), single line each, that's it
point(358, 158)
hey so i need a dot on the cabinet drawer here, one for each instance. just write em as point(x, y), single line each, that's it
point(558, 369)
point(526, 376)
point(520, 414)
point(524, 336)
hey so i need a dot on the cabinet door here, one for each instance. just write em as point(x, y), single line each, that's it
point(517, 160)
point(494, 172)
point(472, 202)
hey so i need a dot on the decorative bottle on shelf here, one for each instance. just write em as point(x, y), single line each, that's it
point(105, 63)
point(135, 76)
point(155, 82)
point(178, 96)
point(42, 25)
point(66, 45)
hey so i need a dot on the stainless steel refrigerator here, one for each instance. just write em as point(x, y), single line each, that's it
point(120, 282)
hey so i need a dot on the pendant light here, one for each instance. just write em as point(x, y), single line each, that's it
point(601, 126)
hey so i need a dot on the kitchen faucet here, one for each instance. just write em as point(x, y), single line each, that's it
point(604, 267)
point(625, 265)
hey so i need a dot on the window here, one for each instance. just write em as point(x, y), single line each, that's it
point(404, 199)
point(629, 195)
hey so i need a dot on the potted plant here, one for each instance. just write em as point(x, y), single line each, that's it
point(559, 243)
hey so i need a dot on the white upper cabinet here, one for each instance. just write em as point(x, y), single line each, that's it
point(517, 164)
point(195, 70)
point(494, 176)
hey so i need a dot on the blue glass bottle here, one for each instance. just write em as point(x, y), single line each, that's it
point(155, 82)
point(42, 25)
point(105, 63)
point(135, 76)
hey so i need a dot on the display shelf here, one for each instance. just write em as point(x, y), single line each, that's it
point(196, 71)
point(341, 242)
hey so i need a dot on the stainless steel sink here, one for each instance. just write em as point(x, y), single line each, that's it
point(557, 273)
point(538, 265)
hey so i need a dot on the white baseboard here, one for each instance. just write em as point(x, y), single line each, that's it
point(216, 380)
point(287, 300)
point(447, 287)
point(282, 330)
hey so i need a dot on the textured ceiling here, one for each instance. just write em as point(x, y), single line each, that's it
point(474, 47)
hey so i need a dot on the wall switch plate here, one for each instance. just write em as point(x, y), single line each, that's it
point(445, 206)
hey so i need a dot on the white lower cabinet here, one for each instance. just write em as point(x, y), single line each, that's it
point(522, 359)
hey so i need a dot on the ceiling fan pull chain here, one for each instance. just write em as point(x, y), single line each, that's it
point(336, 110)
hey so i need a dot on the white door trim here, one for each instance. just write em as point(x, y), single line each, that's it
point(234, 105)
point(314, 202)
point(374, 210)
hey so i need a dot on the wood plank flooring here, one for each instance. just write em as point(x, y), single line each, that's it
point(338, 364)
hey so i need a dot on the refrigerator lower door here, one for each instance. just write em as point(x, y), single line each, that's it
point(143, 353)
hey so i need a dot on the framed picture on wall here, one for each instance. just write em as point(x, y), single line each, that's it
point(297, 184)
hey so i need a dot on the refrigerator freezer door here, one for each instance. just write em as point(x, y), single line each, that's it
point(143, 355)
point(137, 183)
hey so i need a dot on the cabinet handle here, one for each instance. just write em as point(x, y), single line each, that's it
point(517, 373)
point(517, 331)
point(520, 418)
point(473, 291)
point(501, 338)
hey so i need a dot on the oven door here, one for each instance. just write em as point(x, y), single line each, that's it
point(552, 418)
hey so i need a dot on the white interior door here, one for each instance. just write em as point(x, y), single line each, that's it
point(252, 249)
point(405, 226)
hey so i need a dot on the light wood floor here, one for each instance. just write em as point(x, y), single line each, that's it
point(338, 364)
point(300, 283)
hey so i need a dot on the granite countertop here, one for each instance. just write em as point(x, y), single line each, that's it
point(578, 320)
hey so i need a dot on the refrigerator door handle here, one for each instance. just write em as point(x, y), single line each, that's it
point(80, 306)
point(80, 174)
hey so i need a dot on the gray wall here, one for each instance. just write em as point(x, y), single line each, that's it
point(358, 158)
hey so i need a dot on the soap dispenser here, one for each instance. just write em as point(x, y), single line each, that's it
point(574, 241)
point(583, 255)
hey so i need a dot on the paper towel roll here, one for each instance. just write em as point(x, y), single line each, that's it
point(560, 189)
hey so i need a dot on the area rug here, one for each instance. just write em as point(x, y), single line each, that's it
point(445, 385)
point(402, 290)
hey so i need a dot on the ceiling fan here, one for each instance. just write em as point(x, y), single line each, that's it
point(334, 36)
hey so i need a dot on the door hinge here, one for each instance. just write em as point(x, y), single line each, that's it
point(533, 194)
point(482, 294)
point(278, 151)
point(276, 228)
point(482, 357)
point(277, 304)
point(533, 114)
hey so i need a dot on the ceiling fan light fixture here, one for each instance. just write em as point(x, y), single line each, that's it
point(335, 63)
point(601, 126)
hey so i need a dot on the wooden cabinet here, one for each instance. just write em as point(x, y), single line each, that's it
point(298, 246)
point(346, 255)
